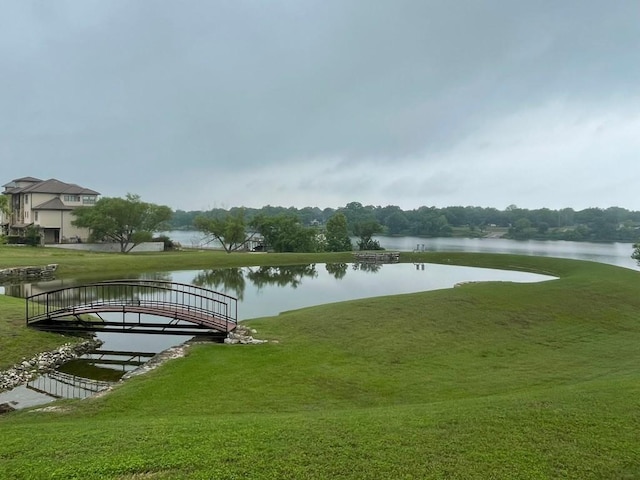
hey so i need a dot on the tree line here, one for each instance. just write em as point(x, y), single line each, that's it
point(591, 224)
point(130, 221)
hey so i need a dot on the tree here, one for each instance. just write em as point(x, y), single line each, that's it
point(4, 205)
point(4, 210)
point(636, 253)
point(357, 213)
point(365, 230)
point(32, 236)
point(285, 233)
point(543, 227)
point(337, 235)
point(522, 229)
point(128, 221)
point(230, 231)
point(397, 223)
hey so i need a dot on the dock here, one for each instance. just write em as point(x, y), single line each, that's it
point(377, 257)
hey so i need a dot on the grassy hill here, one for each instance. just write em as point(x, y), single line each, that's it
point(487, 380)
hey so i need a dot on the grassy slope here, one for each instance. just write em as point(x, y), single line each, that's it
point(18, 342)
point(491, 380)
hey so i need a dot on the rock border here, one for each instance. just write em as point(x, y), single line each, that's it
point(243, 335)
point(28, 369)
point(27, 272)
point(44, 362)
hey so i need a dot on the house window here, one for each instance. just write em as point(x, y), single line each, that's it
point(72, 198)
point(26, 199)
point(88, 199)
point(35, 216)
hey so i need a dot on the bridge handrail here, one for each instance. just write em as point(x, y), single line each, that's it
point(100, 294)
point(80, 308)
point(133, 282)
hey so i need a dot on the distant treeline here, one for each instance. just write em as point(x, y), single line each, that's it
point(591, 224)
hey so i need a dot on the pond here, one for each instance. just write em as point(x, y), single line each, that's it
point(261, 291)
point(266, 291)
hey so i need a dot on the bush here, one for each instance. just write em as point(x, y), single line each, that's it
point(32, 236)
point(168, 243)
point(16, 240)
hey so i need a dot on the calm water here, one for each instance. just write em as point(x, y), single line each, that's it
point(612, 253)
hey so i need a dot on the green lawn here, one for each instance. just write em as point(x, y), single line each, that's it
point(18, 342)
point(490, 380)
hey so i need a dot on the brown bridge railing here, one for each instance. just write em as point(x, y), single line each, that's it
point(185, 309)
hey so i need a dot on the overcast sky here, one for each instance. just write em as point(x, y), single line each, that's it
point(202, 104)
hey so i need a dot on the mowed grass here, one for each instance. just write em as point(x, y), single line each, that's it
point(18, 342)
point(89, 264)
point(487, 380)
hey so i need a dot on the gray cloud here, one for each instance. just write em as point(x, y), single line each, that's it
point(295, 103)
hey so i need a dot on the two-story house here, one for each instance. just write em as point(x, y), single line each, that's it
point(47, 205)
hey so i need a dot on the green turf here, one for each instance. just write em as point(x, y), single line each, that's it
point(18, 342)
point(488, 380)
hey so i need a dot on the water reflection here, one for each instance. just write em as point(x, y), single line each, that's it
point(58, 384)
point(290, 276)
point(337, 270)
point(234, 280)
point(79, 378)
point(48, 388)
point(26, 289)
point(106, 365)
point(370, 267)
point(271, 290)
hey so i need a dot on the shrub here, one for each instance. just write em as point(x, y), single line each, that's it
point(168, 243)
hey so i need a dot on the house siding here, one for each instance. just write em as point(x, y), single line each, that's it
point(48, 205)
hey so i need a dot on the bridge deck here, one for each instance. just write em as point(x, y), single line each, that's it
point(176, 312)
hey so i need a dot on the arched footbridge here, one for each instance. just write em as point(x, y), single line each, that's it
point(134, 306)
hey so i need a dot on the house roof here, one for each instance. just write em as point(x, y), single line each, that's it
point(12, 187)
point(23, 179)
point(53, 204)
point(55, 186)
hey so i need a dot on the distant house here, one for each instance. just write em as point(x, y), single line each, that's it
point(46, 205)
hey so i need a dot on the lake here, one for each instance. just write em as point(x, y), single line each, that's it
point(612, 253)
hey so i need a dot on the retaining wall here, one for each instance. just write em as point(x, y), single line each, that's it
point(109, 247)
point(27, 272)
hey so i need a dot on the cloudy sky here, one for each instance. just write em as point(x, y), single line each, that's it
point(212, 103)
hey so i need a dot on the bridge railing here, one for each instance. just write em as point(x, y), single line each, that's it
point(152, 294)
